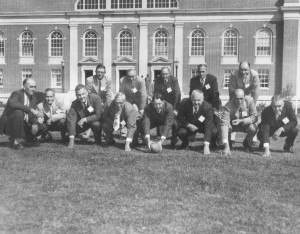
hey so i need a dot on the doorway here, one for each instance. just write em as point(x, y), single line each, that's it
point(88, 73)
point(122, 73)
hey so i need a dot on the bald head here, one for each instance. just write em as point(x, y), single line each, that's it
point(29, 86)
point(131, 74)
point(244, 69)
point(239, 93)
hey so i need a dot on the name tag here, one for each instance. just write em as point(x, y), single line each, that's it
point(285, 120)
point(90, 109)
point(102, 88)
point(201, 118)
point(169, 90)
point(123, 122)
point(207, 86)
point(247, 85)
point(134, 90)
point(244, 114)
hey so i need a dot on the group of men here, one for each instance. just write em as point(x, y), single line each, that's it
point(24, 119)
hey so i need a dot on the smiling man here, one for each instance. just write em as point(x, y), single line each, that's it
point(20, 118)
point(278, 120)
point(85, 113)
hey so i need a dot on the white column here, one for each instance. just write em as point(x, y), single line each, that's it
point(143, 49)
point(178, 52)
point(108, 4)
point(107, 51)
point(144, 4)
point(73, 57)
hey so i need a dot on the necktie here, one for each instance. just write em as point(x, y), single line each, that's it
point(195, 112)
point(202, 82)
point(116, 124)
point(240, 113)
point(26, 103)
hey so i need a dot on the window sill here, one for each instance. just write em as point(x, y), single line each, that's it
point(263, 60)
point(196, 60)
point(26, 61)
point(230, 60)
point(2, 61)
point(55, 60)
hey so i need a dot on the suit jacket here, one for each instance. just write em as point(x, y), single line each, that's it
point(58, 111)
point(140, 96)
point(170, 90)
point(128, 114)
point(16, 102)
point(164, 118)
point(268, 117)
point(186, 116)
point(104, 91)
point(77, 112)
point(209, 89)
point(250, 85)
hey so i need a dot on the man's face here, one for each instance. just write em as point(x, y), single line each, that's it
point(278, 106)
point(239, 99)
point(30, 86)
point(82, 95)
point(131, 75)
point(119, 103)
point(197, 99)
point(244, 70)
point(157, 103)
point(165, 73)
point(100, 72)
point(202, 72)
point(49, 97)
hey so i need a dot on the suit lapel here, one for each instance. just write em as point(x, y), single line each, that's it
point(95, 84)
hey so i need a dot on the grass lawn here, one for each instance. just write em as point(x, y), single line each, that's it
point(51, 189)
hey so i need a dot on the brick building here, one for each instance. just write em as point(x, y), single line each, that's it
point(60, 42)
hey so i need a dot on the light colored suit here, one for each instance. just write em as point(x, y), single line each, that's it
point(104, 90)
point(58, 111)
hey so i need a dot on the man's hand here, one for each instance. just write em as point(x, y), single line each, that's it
point(175, 112)
point(192, 127)
point(81, 122)
point(141, 112)
point(267, 152)
point(71, 143)
point(49, 121)
point(34, 129)
point(206, 149)
point(227, 151)
point(237, 121)
point(277, 134)
point(37, 113)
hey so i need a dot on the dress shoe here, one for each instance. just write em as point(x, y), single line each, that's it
point(47, 138)
point(288, 148)
point(33, 143)
point(184, 146)
point(247, 146)
point(18, 146)
point(213, 146)
point(111, 142)
point(173, 146)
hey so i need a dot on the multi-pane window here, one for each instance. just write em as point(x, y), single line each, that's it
point(26, 73)
point(56, 49)
point(1, 77)
point(90, 44)
point(227, 74)
point(263, 42)
point(125, 43)
point(2, 45)
point(197, 43)
point(126, 4)
point(27, 44)
point(56, 79)
point(162, 4)
point(161, 43)
point(264, 75)
point(194, 73)
point(91, 4)
point(230, 43)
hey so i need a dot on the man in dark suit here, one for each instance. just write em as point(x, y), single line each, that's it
point(208, 84)
point(134, 89)
point(196, 115)
point(168, 86)
point(159, 113)
point(278, 120)
point(119, 112)
point(19, 119)
point(85, 113)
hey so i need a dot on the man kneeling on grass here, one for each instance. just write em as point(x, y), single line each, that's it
point(119, 112)
point(85, 113)
point(239, 115)
point(278, 120)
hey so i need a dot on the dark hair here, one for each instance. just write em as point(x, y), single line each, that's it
point(202, 65)
point(25, 81)
point(157, 96)
point(100, 66)
point(79, 87)
point(49, 89)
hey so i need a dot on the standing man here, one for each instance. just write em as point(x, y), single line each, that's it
point(20, 119)
point(134, 89)
point(239, 115)
point(278, 120)
point(168, 86)
point(208, 84)
point(54, 115)
point(85, 113)
point(159, 113)
point(119, 112)
point(196, 115)
point(100, 84)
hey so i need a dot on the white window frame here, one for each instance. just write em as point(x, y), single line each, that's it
point(156, 7)
point(26, 59)
point(83, 46)
point(1, 79)
point(2, 57)
point(134, 3)
point(119, 43)
point(56, 71)
point(230, 59)
point(259, 71)
point(168, 43)
point(26, 73)
point(94, 9)
point(263, 59)
point(55, 59)
point(196, 59)
point(194, 71)
point(226, 79)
